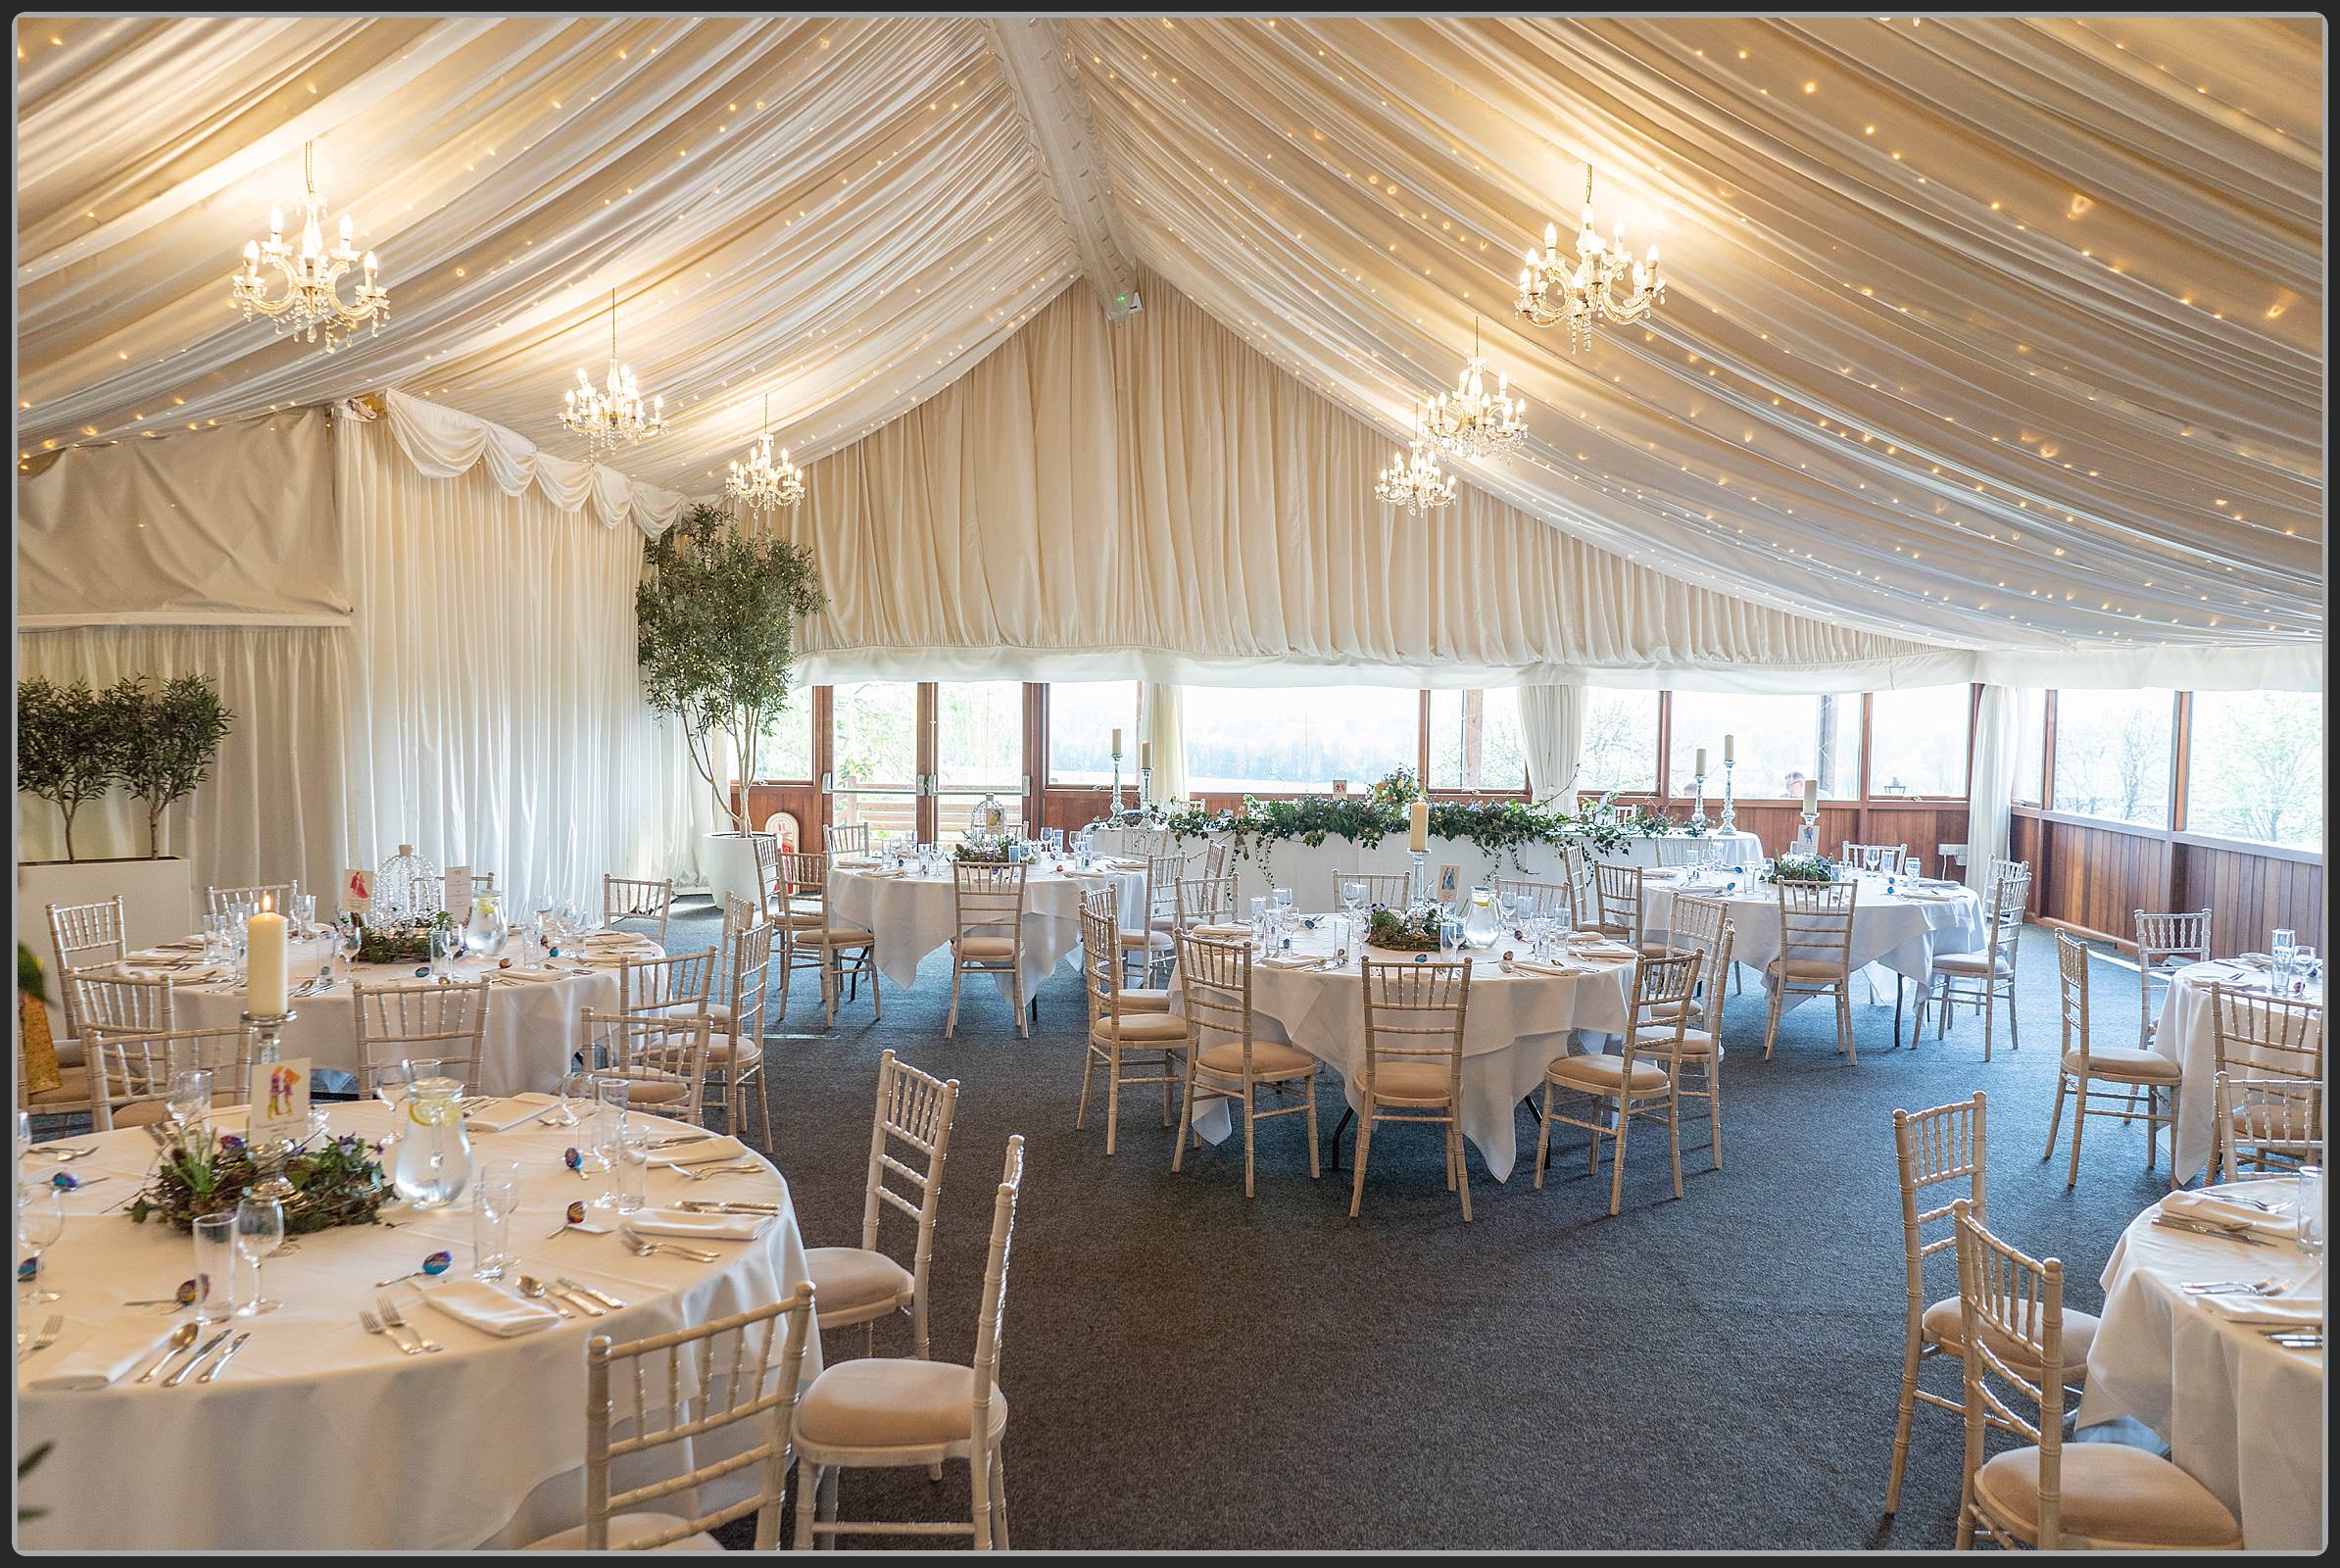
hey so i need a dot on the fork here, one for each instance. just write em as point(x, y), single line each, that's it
point(2265, 1287)
point(382, 1299)
point(703, 1172)
point(374, 1325)
point(45, 1338)
point(641, 1247)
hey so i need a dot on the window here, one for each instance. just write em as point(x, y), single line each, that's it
point(1620, 744)
point(785, 748)
point(979, 750)
point(1917, 742)
point(2255, 767)
point(1476, 742)
point(1782, 742)
point(875, 756)
point(2030, 744)
point(2113, 755)
point(1277, 740)
point(1082, 718)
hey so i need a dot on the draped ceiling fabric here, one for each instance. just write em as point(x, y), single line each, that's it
point(2000, 337)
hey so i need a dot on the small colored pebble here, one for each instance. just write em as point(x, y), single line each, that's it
point(65, 1181)
point(437, 1262)
point(576, 1213)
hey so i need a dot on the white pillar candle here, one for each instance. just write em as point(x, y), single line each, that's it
point(1117, 743)
point(1729, 749)
point(1810, 794)
point(1146, 753)
point(1699, 771)
point(265, 961)
point(1418, 827)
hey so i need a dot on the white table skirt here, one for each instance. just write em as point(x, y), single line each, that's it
point(1310, 869)
point(2242, 1415)
point(1515, 1027)
point(913, 915)
point(2185, 1036)
point(531, 1022)
point(319, 1436)
point(1899, 934)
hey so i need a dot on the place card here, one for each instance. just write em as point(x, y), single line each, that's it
point(458, 902)
point(356, 892)
point(280, 1096)
point(1449, 884)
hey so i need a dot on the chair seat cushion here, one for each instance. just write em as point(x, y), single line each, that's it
point(654, 1091)
point(804, 919)
point(725, 1050)
point(2125, 1065)
point(1151, 1028)
point(1996, 967)
point(1694, 1042)
point(72, 1089)
point(1602, 1073)
point(1270, 1059)
point(887, 1402)
point(2113, 1493)
point(1666, 1009)
point(839, 936)
point(1657, 950)
point(142, 1113)
point(986, 948)
point(1411, 1083)
point(1147, 938)
point(850, 1279)
point(625, 1527)
point(1135, 999)
point(1806, 968)
point(1945, 1327)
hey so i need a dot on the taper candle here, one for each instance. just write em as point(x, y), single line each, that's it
point(265, 962)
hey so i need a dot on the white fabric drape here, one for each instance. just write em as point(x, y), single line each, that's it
point(1552, 723)
point(1992, 786)
point(271, 809)
point(495, 716)
point(442, 443)
point(1162, 724)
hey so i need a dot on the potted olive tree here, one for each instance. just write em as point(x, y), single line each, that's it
point(715, 619)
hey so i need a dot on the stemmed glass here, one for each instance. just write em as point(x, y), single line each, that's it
point(259, 1231)
point(191, 1099)
point(40, 1222)
point(1868, 858)
point(1352, 896)
point(565, 1115)
point(351, 938)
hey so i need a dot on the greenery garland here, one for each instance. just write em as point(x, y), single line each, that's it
point(335, 1183)
point(1809, 868)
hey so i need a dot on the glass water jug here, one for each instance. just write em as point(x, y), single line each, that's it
point(434, 1153)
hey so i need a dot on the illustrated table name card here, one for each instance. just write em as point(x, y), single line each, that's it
point(279, 1091)
point(1450, 883)
point(356, 892)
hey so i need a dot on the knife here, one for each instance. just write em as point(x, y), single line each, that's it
point(209, 1345)
point(2241, 1233)
point(225, 1356)
point(610, 1302)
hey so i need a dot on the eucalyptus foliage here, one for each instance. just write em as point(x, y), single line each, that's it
point(715, 619)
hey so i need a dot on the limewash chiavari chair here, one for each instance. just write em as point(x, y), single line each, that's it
point(1700, 1048)
point(123, 1005)
point(1214, 861)
point(1151, 945)
point(738, 915)
point(131, 1074)
point(1678, 852)
point(849, 838)
point(820, 946)
point(86, 936)
point(1204, 901)
point(682, 983)
point(2106, 1496)
point(2165, 942)
point(224, 901)
point(2279, 1121)
point(2084, 1065)
point(910, 1139)
point(2265, 1040)
point(1816, 926)
point(735, 1043)
point(661, 1056)
point(2001, 868)
point(441, 1020)
point(989, 912)
point(1389, 889)
point(1617, 891)
point(1629, 1084)
point(627, 897)
point(1855, 853)
point(1540, 901)
point(1413, 1062)
point(1217, 976)
point(1106, 901)
point(1119, 1029)
point(886, 1413)
point(1982, 980)
point(738, 1371)
point(1575, 869)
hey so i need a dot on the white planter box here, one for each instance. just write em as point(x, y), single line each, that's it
point(729, 862)
point(158, 905)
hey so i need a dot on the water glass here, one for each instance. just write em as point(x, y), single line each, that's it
point(1451, 936)
point(633, 1169)
point(40, 1222)
point(259, 1231)
point(2311, 1211)
point(495, 1194)
point(215, 1268)
point(190, 1098)
point(1352, 895)
point(609, 1131)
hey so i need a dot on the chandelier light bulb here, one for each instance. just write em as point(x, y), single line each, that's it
point(312, 299)
point(1606, 283)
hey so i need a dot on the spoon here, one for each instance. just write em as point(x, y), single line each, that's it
point(61, 1155)
point(181, 1338)
point(534, 1289)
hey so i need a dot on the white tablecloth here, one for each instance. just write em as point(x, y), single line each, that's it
point(1515, 1027)
point(2242, 1415)
point(2185, 1035)
point(1310, 869)
point(913, 915)
point(1899, 933)
point(531, 1024)
point(320, 1436)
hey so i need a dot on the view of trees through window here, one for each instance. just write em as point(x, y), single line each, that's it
point(1917, 742)
point(1618, 748)
point(2030, 744)
point(1476, 742)
point(2256, 767)
point(1082, 718)
point(2113, 755)
point(787, 742)
point(1275, 740)
point(1782, 742)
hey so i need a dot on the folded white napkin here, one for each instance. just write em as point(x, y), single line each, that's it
point(1534, 966)
point(1291, 961)
point(899, 870)
point(1605, 949)
point(118, 1348)
point(707, 1152)
point(1220, 932)
point(2211, 1209)
point(503, 1115)
point(490, 1308)
point(689, 1222)
point(2289, 1312)
point(518, 976)
point(178, 973)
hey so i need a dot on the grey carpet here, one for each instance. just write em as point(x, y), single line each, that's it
point(1189, 1369)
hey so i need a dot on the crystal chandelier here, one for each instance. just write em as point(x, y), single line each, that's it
point(1413, 482)
point(312, 274)
point(1471, 421)
point(759, 484)
point(1595, 289)
point(609, 415)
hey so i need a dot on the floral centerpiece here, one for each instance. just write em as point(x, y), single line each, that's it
point(1807, 869)
point(335, 1181)
point(399, 940)
point(982, 849)
point(1400, 932)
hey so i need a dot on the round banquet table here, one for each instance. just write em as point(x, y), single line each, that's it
point(912, 915)
point(322, 1435)
point(2184, 1036)
point(532, 1014)
point(1516, 1025)
point(2241, 1414)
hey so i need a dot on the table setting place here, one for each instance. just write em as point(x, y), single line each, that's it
point(1283, 937)
point(2278, 1292)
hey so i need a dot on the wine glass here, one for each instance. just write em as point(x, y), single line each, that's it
point(1868, 858)
point(40, 1222)
point(1352, 896)
point(351, 938)
point(259, 1231)
point(190, 1098)
point(568, 1088)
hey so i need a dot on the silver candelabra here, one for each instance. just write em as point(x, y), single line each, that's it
point(1730, 823)
point(271, 1153)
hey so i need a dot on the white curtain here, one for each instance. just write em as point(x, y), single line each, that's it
point(1993, 785)
point(495, 716)
point(1162, 724)
point(1552, 718)
point(444, 442)
point(271, 809)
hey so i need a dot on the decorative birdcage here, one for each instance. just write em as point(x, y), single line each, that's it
point(407, 887)
point(989, 819)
